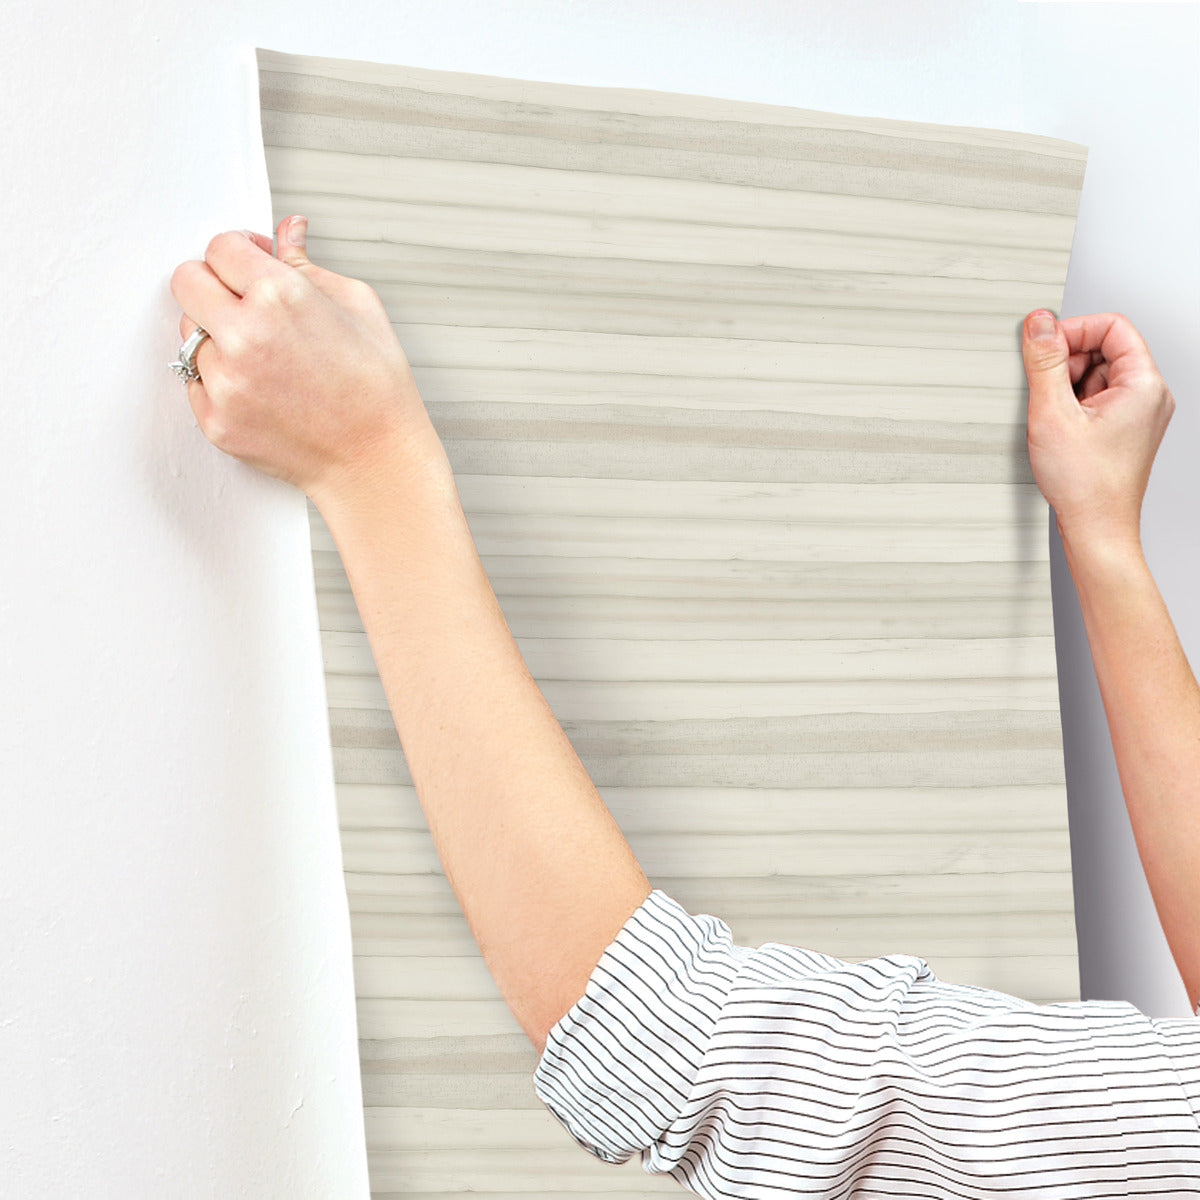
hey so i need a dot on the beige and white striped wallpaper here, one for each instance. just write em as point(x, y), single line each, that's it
point(734, 398)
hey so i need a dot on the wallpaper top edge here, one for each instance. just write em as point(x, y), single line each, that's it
point(652, 102)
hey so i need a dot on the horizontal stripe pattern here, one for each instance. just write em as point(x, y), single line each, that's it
point(416, 113)
point(777, 1070)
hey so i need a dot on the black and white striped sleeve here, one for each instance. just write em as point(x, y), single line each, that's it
point(780, 1071)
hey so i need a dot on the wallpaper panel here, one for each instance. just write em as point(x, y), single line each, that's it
point(734, 399)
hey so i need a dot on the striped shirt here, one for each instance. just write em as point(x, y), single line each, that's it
point(779, 1071)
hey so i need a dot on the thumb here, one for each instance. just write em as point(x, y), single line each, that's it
point(1047, 356)
point(291, 238)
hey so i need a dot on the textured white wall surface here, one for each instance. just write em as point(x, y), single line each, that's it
point(176, 1000)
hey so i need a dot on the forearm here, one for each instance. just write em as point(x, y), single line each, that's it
point(541, 870)
point(1152, 703)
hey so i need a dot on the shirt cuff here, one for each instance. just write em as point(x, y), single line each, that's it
point(618, 1066)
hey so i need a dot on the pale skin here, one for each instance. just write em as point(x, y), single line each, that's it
point(304, 379)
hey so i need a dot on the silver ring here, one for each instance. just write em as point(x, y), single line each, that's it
point(185, 366)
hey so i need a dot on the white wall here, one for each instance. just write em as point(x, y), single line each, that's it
point(1124, 79)
point(176, 1013)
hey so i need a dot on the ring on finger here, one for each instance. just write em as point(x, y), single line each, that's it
point(185, 364)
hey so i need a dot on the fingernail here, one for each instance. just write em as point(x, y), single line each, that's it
point(1041, 324)
point(296, 228)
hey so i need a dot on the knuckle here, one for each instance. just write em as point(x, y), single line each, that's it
point(216, 242)
point(215, 430)
point(280, 291)
point(259, 291)
point(180, 276)
point(1042, 355)
point(264, 291)
point(291, 288)
point(212, 420)
point(367, 300)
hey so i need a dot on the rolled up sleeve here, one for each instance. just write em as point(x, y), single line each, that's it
point(620, 1065)
point(778, 1070)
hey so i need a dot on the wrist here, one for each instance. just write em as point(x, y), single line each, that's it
point(1099, 533)
point(1096, 550)
point(403, 471)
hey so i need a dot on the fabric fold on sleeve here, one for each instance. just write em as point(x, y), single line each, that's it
point(619, 1065)
point(781, 1070)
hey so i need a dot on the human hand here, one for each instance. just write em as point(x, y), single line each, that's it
point(302, 375)
point(1098, 409)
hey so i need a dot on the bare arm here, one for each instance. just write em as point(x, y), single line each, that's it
point(1098, 409)
point(541, 870)
point(1152, 703)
